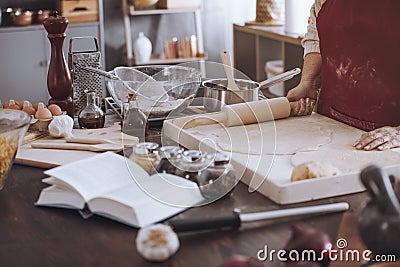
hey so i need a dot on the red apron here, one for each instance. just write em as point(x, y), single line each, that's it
point(360, 50)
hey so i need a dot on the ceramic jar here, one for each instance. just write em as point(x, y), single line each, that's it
point(142, 48)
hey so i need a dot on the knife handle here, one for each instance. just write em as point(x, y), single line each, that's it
point(198, 224)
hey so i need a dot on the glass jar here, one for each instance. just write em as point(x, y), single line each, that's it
point(190, 164)
point(146, 156)
point(168, 158)
point(91, 117)
point(219, 179)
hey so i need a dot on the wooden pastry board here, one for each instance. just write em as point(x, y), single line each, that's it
point(269, 174)
point(49, 158)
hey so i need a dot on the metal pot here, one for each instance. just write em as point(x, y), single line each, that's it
point(217, 95)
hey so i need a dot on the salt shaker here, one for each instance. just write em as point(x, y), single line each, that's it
point(145, 155)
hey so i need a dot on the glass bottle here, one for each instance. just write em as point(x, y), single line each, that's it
point(91, 117)
point(135, 121)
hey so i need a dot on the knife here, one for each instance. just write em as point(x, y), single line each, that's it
point(235, 220)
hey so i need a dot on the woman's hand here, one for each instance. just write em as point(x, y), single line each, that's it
point(302, 91)
point(303, 107)
point(381, 139)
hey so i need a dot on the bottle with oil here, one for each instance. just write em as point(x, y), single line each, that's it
point(135, 121)
point(91, 117)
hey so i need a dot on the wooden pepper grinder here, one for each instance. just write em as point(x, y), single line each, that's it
point(59, 81)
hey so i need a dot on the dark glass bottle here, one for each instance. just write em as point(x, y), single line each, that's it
point(91, 117)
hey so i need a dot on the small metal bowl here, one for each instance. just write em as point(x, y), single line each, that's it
point(217, 95)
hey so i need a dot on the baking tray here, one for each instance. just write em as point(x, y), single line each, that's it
point(270, 175)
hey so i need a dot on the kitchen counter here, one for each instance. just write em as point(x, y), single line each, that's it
point(38, 236)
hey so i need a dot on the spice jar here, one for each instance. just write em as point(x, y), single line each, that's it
point(168, 158)
point(91, 117)
point(146, 156)
point(219, 179)
point(190, 164)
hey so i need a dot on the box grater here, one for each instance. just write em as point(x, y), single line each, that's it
point(82, 80)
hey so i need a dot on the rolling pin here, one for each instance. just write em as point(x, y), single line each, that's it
point(245, 113)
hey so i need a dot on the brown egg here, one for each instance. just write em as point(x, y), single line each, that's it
point(10, 102)
point(43, 114)
point(36, 105)
point(15, 106)
point(22, 103)
point(55, 109)
point(29, 109)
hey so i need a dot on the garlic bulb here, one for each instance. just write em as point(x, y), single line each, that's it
point(61, 126)
point(157, 242)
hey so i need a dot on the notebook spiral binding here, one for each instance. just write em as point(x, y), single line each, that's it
point(84, 81)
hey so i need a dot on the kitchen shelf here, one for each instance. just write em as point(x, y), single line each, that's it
point(134, 12)
point(157, 59)
point(129, 11)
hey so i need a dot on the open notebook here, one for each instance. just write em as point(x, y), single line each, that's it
point(116, 187)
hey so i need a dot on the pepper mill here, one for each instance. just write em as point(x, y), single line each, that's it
point(59, 81)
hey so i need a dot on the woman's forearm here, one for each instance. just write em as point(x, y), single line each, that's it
point(311, 74)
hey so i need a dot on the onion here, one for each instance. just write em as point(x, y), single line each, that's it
point(309, 239)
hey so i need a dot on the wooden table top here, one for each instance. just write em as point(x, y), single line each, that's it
point(39, 236)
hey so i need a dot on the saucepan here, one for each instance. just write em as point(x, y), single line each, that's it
point(217, 94)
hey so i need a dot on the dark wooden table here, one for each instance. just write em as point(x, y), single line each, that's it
point(38, 236)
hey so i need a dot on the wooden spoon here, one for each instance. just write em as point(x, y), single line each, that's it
point(226, 60)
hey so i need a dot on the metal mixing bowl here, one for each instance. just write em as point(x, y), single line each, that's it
point(179, 83)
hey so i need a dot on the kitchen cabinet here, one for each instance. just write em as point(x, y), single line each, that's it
point(129, 11)
point(255, 45)
point(25, 57)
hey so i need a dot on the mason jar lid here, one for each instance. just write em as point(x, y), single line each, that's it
point(170, 151)
point(221, 158)
point(145, 148)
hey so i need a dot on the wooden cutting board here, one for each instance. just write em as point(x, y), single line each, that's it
point(49, 158)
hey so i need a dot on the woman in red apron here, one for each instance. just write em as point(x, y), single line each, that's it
point(356, 72)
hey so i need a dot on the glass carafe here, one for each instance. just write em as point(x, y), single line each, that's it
point(91, 117)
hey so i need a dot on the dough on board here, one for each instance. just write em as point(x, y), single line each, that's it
point(313, 169)
point(280, 137)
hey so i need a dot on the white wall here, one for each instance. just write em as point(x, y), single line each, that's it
point(218, 17)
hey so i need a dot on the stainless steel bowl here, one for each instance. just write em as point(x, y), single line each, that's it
point(217, 95)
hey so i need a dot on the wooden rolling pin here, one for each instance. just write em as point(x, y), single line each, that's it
point(246, 113)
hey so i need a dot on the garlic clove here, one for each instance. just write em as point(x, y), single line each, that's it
point(157, 242)
point(61, 126)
